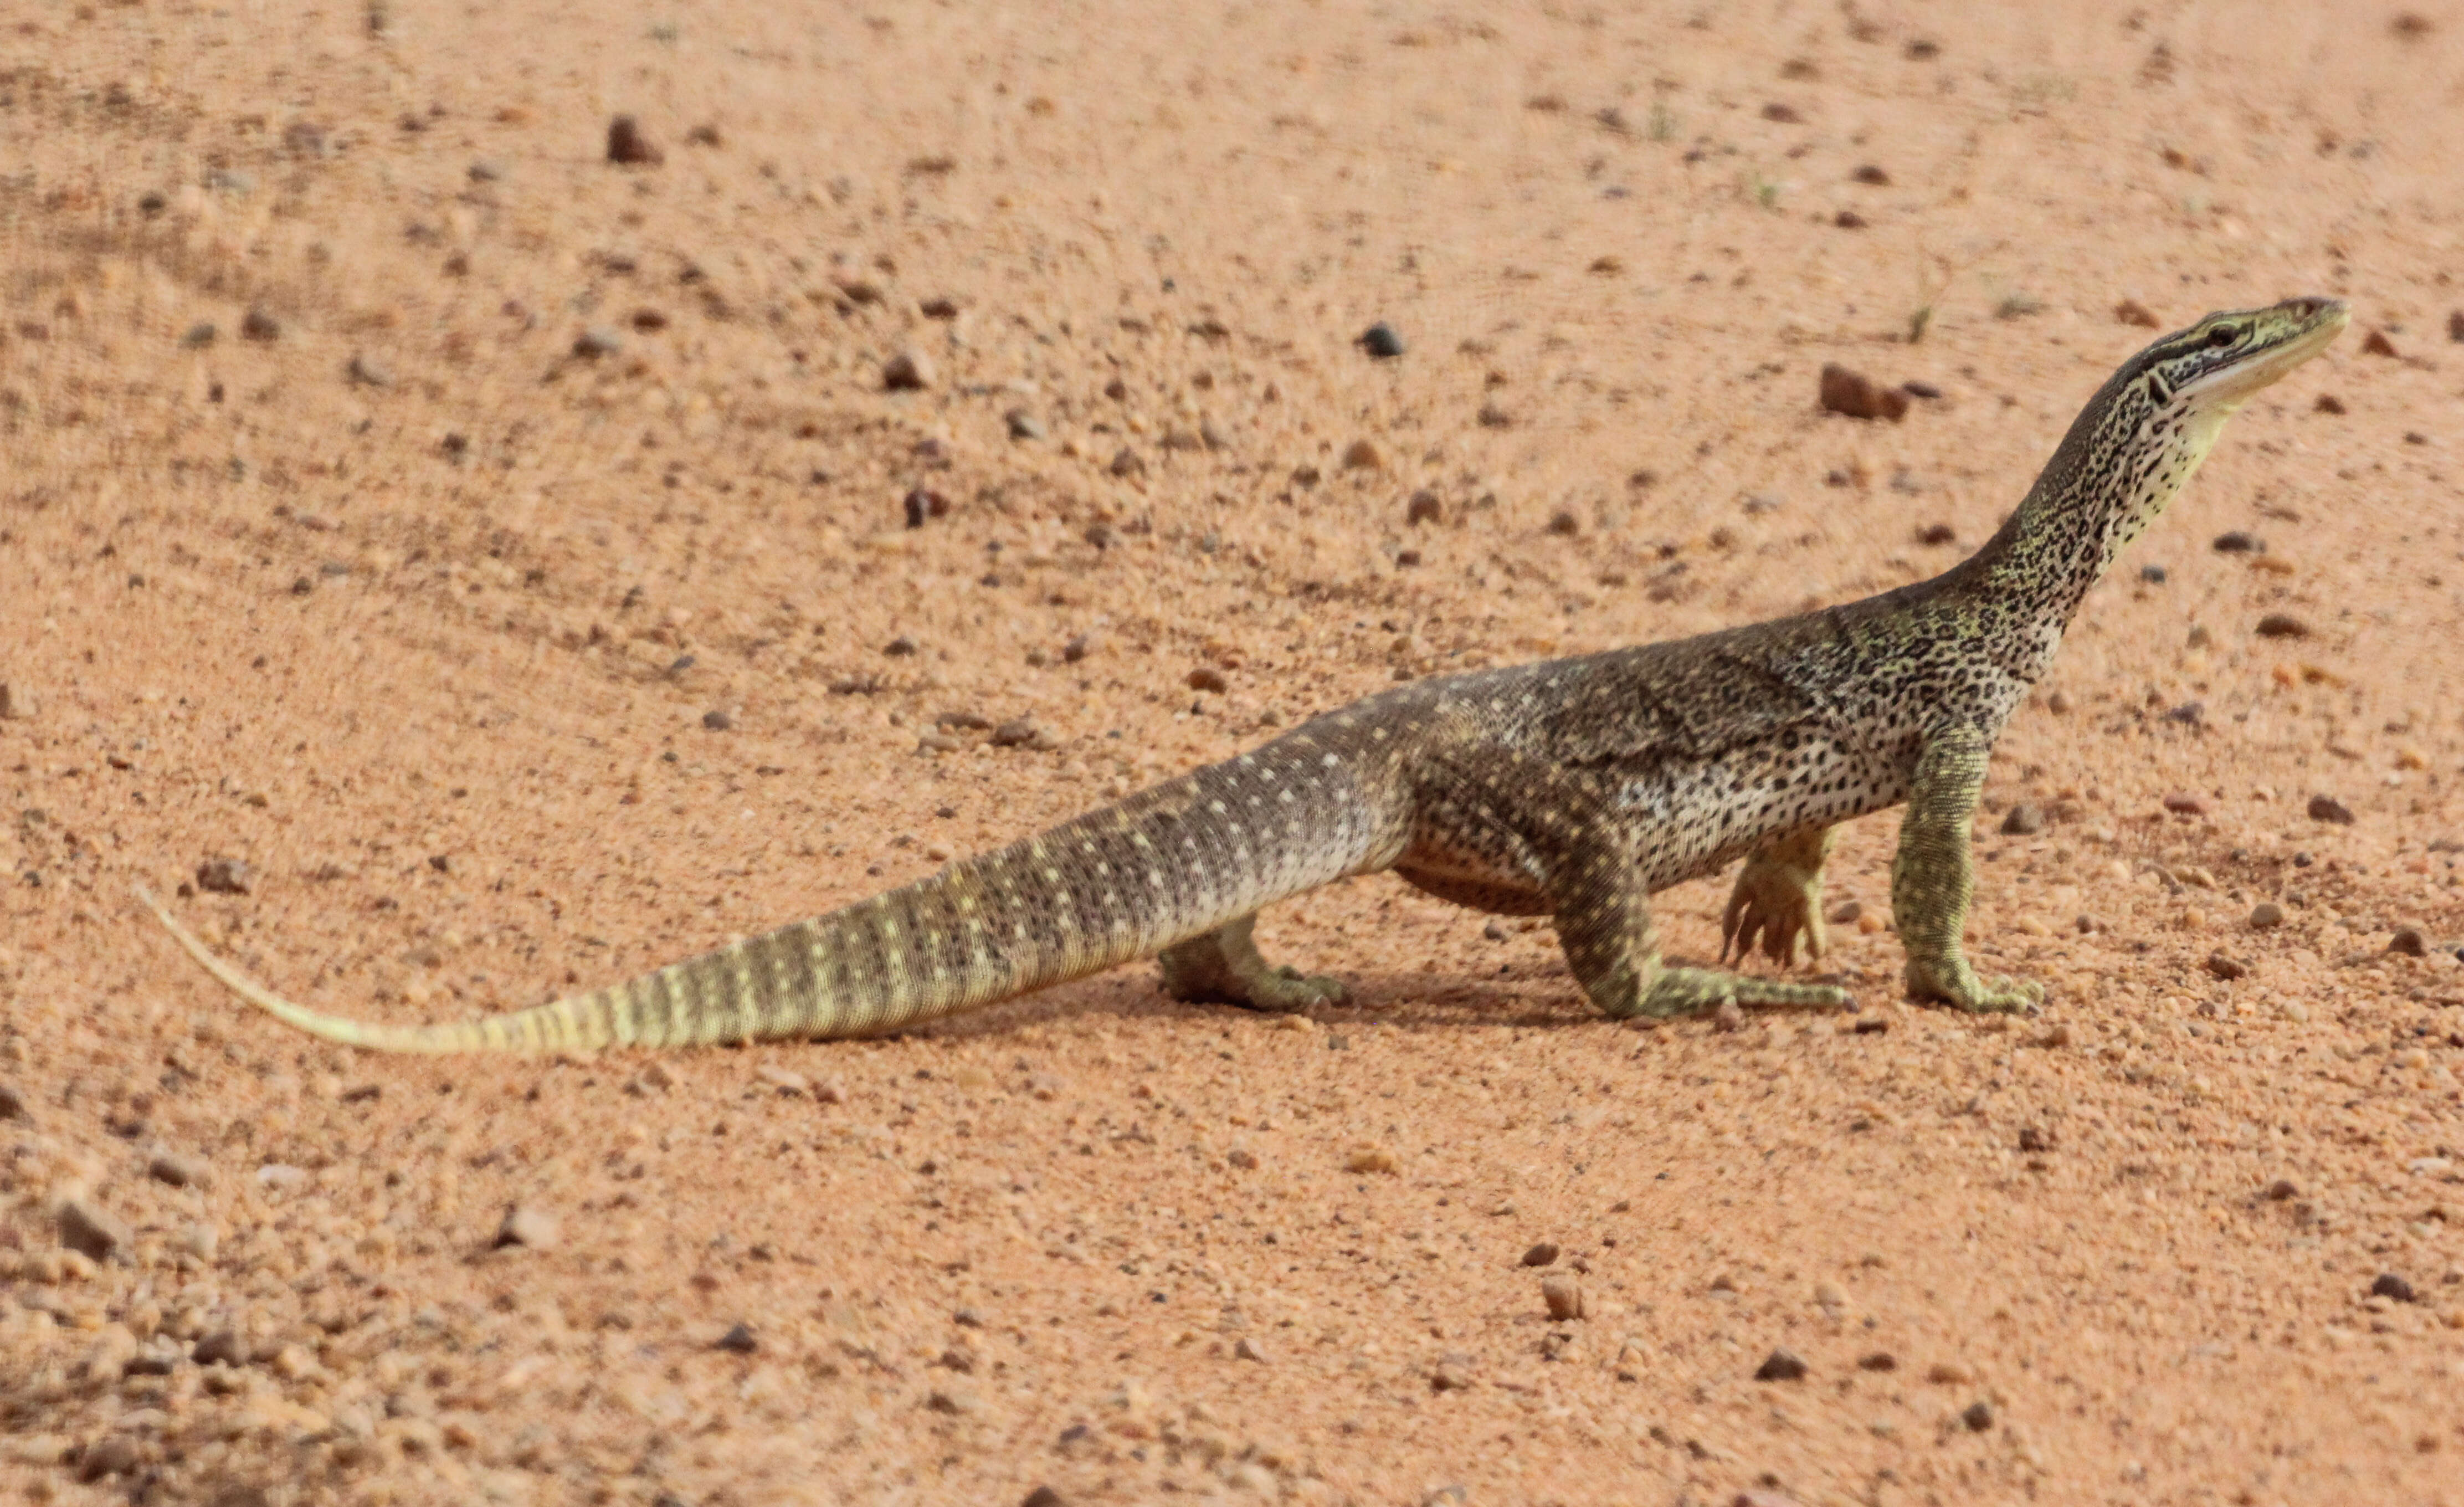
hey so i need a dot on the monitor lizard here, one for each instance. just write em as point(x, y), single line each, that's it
point(1572, 788)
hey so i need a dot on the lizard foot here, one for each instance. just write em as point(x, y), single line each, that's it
point(1224, 967)
point(1691, 992)
point(1777, 903)
point(1957, 984)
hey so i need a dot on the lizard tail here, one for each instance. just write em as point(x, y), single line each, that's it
point(1122, 882)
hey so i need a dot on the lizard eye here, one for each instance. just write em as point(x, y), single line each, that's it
point(2224, 335)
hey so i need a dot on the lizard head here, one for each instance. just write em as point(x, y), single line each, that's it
point(2215, 365)
point(2138, 442)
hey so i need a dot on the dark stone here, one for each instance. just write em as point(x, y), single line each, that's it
point(629, 146)
point(740, 1340)
point(224, 876)
point(2237, 542)
point(1780, 1366)
point(2328, 809)
point(1381, 341)
point(1859, 396)
point(1544, 1254)
point(2393, 1287)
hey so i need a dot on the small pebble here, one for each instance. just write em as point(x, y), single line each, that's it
point(1848, 220)
point(258, 325)
point(2282, 625)
point(1978, 1416)
point(1544, 1254)
point(2031, 1139)
point(1877, 1360)
point(2225, 965)
point(2023, 820)
point(2408, 942)
point(368, 371)
point(2328, 809)
point(717, 721)
point(629, 146)
point(1451, 1374)
point(1937, 535)
point(1042, 1496)
point(1125, 463)
point(2393, 1287)
point(2455, 326)
point(1363, 454)
point(1206, 677)
point(1780, 1366)
point(1017, 733)
point(1369, 1158)
point(1847, 913)
point(2183, 803)
point(169, 1167)
point(1024, 425)
point(529, 1228)
point(2282, 1189)
point(2153, 575)
point(908, 371)
point(12, 1103)
point(113, 1455)
point(2377, 343)
point(224, 876)
point(1247, 1349)
point(1564, 523)
point(740, 1340)
point(2130, 311)
point(222, 1347)
point(1423, 508)
point(2238, 543)
point(91, 1230)
point(1079, 647)
point(1868, 173)
point(922, 504)
point(1563, 1294)
point(596, 341)
point(1859, 396)
point(2265, 916)
point(900, 648)
point(1381, 341)
point(2327, 403)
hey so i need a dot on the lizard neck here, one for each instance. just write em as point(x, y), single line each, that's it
point(2114, 474)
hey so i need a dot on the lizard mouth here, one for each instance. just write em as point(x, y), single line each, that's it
point(2292, 333)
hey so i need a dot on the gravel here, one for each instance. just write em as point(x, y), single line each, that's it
point(92, 1230)
point(2328, 809)
point(1843, 391)
point(530, 1228)
point(1562, 1292)
point(1544, 1254)
point(908, 371)
point(1781, 1366)
point(1381, 341)
point(629, 146)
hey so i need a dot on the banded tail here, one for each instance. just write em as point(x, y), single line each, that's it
point(1168, 864)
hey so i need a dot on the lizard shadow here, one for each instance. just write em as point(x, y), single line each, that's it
point(1527, 998)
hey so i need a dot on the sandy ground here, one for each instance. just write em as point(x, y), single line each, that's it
point(499, 553)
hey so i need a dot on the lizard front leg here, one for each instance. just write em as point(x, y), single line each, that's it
point(1224, 967)
point(1933, 877)
point(1778, 900)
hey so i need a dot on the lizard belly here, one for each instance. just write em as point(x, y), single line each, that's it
point(1693, 819)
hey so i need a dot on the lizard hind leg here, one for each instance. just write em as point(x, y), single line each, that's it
point(1604, 924)
point(1224, 965)
point(1777, 900)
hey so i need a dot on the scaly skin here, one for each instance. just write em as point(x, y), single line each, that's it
point(1778, 897)
point(1574, 789)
